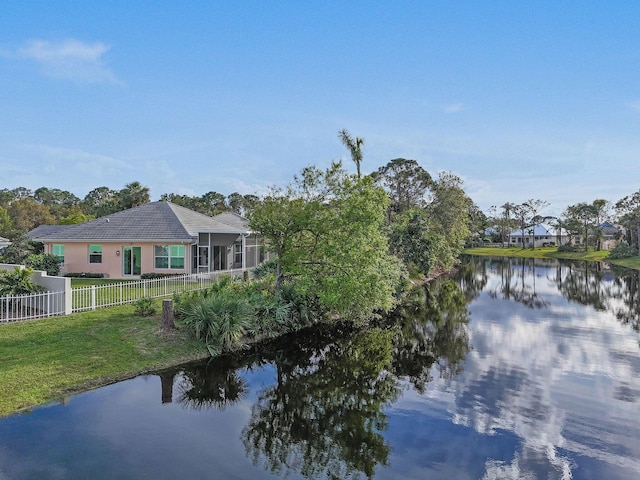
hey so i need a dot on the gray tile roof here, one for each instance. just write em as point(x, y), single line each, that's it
point(234, 220)
point(46, 230)
point(150, 222)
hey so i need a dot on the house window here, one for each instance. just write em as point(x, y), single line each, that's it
point(95, 253)
point(237, 257)
point(58, 251)
point(169, 256)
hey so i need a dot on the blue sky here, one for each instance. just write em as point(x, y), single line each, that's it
point(520, 99)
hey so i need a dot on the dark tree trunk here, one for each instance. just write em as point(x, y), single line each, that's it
point(167, 315)
point(166, 379)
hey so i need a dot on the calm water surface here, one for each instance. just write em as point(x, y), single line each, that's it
point(510, 370)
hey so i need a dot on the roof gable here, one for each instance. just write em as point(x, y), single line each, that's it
point(538, 231)
point(234, 220)
point(156, 221)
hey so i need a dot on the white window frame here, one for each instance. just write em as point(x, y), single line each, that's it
point(95, 254)
point(170, 256)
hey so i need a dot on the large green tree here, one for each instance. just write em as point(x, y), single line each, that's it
point(6, 226)
point(406, 183)
point(585, 215)
point(101, 201)
point(527, 215)
point(412, 240)
point(26, 214)
point(449, 215)
point(327, 230)
point(61, 203)
point(629, 209)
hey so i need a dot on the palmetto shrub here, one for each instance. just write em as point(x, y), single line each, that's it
point(230, 312)
point(145, 307)
point(221, 318)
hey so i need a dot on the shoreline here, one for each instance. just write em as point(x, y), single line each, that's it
point(552, 253)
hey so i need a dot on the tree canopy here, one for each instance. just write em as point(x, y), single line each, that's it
point(406, 183)
point(327, 230)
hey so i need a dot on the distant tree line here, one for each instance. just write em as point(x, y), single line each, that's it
point(22, 209)
point(582, 223)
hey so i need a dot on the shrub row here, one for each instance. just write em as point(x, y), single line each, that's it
point(151, 276)
point(622, 250)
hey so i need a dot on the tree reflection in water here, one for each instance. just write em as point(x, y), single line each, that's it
point(515, 283)
point(323, 417)
point(211, 384)
point(582, 282)
point(603, 287)
point(432, 326)
point(606, 288)
point(628, 292)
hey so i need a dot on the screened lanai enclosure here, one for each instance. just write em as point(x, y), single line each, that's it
point(216, 251)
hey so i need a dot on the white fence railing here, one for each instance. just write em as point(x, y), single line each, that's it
point(40, 305)
point(26, 307)
point(98, 296)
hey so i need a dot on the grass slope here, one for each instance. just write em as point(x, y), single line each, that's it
point(47, 359)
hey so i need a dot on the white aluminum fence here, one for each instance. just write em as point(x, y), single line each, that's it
point(98, 296)
point(27, 307)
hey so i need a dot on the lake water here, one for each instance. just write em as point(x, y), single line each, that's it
point(510, 370)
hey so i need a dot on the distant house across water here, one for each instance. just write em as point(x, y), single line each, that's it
point(540, 235)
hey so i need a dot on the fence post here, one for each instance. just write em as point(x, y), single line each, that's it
point(93, 297)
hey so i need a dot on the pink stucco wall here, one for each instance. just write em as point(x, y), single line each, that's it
point(76, 259)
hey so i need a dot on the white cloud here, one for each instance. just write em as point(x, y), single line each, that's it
point(70, 60)
point(90, 163)
point(453, 107)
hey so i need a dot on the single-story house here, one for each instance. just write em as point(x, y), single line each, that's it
point(540, 235)
point(609, 235)
point(158, 237)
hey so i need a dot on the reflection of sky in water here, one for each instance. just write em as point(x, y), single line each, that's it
point(560, 382)
point(546, 393)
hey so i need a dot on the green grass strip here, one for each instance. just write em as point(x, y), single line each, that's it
point(552, 252)
point(48, 359)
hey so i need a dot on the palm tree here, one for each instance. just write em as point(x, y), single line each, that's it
point(354, 145)
point(506, 230)
point(134, 194)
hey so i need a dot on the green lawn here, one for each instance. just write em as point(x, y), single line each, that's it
point(88, 282)
point(130, 290)
point(633, 262)
point(552, 252)
point(48, 359)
